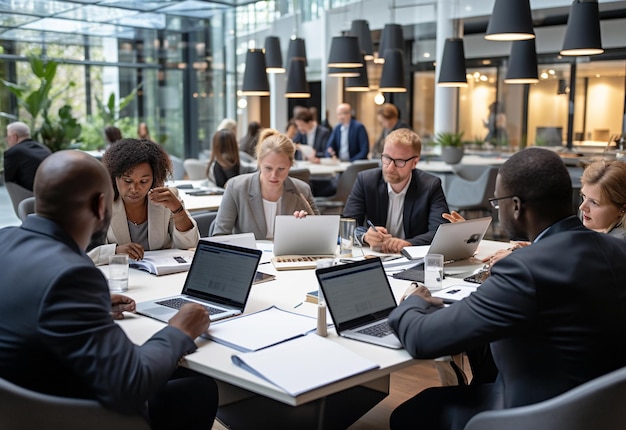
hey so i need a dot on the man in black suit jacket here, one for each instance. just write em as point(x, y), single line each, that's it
point(554, 312)
point(57, 334)
point(23, 156)
point(348, 141)
point(405, 204)
point(307, 127)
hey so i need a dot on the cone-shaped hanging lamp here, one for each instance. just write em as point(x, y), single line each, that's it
point(361, 29)
point(452, 72)
point(361, 82)
point(344, 52)
point(522, 63)
point(510, 20)
point(582, 36)
point(273, 55)
point(296, 51)
point(391, 38)
point(337, 72)
point(297, 85)
point(392, 78)
point(255, 81)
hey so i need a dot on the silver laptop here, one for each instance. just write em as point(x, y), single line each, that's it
point(312, 235)
point(220, 278)
point(456, 240)
point(359, 298)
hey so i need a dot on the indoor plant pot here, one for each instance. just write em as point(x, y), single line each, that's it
point(452, 148)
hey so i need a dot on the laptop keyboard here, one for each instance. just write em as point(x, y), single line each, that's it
point(177, 303)
point(381, 329)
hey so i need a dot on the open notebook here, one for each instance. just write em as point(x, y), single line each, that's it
point(300, 242)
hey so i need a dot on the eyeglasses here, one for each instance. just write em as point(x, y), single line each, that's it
point(397, 161)
point(494, 201)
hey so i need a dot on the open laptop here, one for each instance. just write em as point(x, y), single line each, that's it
point(455, 241)
point(300, 242)
point(359, 298)
point(220, 278)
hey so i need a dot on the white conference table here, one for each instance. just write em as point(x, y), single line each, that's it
point(196, 203)
point(320, 170)
point(241, 392)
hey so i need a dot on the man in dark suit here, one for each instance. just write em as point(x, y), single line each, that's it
point(348, 140)
point(554, 312)
point(405, 204)
point(23, 156)
point(57, 334)
point(311, 134)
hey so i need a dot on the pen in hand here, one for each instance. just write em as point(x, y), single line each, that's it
point(372, 226)
point(308, 207)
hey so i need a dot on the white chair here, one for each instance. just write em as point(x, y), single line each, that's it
point(597, 404)
point(26, 207)
point(22, 409)
point(17, 194)
point(195, 168)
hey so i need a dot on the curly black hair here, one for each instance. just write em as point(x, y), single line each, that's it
point(127, 153)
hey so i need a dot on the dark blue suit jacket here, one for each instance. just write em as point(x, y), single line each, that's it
point(554, 312)
point(358, 142)
point(321, 139)
point(22, 160)
point(57, 335)
point(424, 203)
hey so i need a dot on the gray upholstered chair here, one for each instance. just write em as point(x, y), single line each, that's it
point(597, 404)
point(26, 207)
point(195, 169)
point(204, 220)
point(335, 203)
point(17, 194)
point(302, 174)
point(465, 195)
point(22, 409)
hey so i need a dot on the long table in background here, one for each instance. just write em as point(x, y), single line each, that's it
point(248, 401)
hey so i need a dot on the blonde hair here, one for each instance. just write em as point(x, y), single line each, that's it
point(406, 137)
point(229, 124)
point(271, 140)
point(610, 175)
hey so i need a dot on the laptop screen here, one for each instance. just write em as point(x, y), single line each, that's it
point(222, 273)
point(356, 293)
point(312, 235)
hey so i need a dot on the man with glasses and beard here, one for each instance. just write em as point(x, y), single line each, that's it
point(403, 204)
point(57, 334)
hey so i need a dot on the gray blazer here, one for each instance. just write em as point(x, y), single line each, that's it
point(162, 233)
point(241, 210)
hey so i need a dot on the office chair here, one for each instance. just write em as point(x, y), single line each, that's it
point(178, 168)
point(195, 168)
point(22, 409)
point(17, 194)
point(597, 404)
point(465, 195)
point(204, 221)
point(302, 174)
point(334, 204)
point(26, 207)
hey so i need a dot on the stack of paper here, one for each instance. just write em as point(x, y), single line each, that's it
point(304, 364)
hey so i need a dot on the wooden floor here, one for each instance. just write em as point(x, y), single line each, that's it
point(404, 385)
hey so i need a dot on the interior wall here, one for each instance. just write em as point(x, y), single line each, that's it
point(604, 98)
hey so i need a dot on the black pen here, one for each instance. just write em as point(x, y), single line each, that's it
point(372, 225)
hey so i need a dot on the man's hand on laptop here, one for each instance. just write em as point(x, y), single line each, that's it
point(192, 319)
point(417, 289)
point(120, 304)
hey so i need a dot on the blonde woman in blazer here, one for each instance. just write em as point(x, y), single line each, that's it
point(251, 201)
point(145, 214)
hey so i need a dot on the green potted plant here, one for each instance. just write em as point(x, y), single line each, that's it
point(452, 148)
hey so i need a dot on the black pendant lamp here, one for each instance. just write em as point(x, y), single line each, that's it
point(392, 79)
point(391, 38)
point(522, 63)
point(296, 51)
point(582, 36)
point(297, 85)
point(361, 29)
point(510, 20)
point(360, 82)
point(452, 72)
point(255, 81)
point(343, 73)
point(344, 52)
point(273, 55)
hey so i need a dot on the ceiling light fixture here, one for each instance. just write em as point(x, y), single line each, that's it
point(510, 20)
point(582, 36)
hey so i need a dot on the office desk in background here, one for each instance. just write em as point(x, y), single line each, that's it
point(196, 203)
point(248, 401)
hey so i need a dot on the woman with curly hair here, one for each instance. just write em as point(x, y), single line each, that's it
point(146, 215)
point(252, 201)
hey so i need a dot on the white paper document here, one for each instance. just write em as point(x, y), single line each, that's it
point(415, 252)
point(164, 261)
point(258, 330)
point(304, 364)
